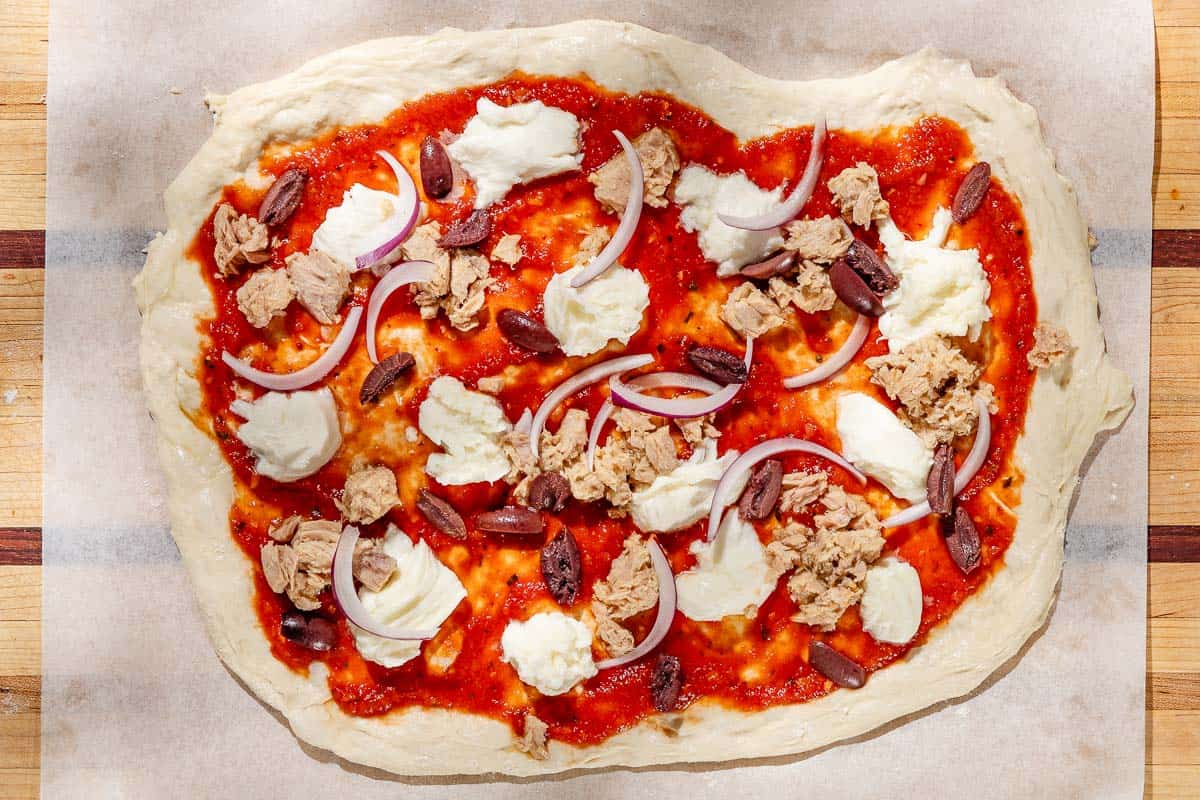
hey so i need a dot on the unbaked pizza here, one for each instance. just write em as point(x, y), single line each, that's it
point(581, 398)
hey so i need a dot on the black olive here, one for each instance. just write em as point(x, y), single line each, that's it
point(321, 634)
point(293, 625)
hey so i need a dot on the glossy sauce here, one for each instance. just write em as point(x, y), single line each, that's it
point(744, 663)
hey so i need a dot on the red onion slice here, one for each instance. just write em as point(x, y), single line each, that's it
point(400, 275)
point(291, 381)
point(665, 380)
point(671, 407)
point(403, 219)
point(629, 219)
point(729, 487)
point(971, 465)
point(348, 601)
point(836, 362)
point(524, 422)
point(795, 201)
point(666, 610)
point(606, 411)
point(624, 394)
point(594, 373)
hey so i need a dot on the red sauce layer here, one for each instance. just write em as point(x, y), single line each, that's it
point(747, 664)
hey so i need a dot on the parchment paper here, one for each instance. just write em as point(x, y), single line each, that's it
point(135, 703)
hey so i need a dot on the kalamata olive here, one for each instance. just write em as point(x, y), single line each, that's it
point(871, 268)
point(562, 567)
point(852, 290)
point(835, 666)
point(321, 634)
point(314, 633)
point(441, 514)
point(549, 491)
point(770, 267)
point(472, 230)
point(511, 519)
point(963, 542)
point(939, 486)
point(293, 625)
point(437, 175)
point(762, 491)
point(666, 682)
point(721, 365)
point(283, 197)
point(383, 375)
point(525, 331)
point(971, 192)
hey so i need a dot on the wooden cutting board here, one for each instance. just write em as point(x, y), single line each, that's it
point(1173, 663)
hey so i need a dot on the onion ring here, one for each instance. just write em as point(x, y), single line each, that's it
point(671, 407)
point(673, 380)
point(971, 465)
point(348, 600)
point(666, 610)
point(399, 275)
point(291, 381)
point(404, 219)
point(795, 201)
point(726, 493)
point(624, 395)
point(836, 362)
point(629, 219)
point(596, 372)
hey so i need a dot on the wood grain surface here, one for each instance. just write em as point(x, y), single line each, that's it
point(1173, 658)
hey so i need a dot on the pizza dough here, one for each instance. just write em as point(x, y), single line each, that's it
point(363, 84)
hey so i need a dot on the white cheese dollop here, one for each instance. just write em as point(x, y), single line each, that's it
point(609, 307)
point(421, 594)
point(502, 146)
point(550, 651)
point(941, 291)
point(356, 226)
point(468, 426)
point(892, 601)
point(683, 496)
point(876, 442)
point(731, 574)
point(703, 194)
point(292, 434)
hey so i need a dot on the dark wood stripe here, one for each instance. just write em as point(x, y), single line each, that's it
point(1175, 248)
point(22, 249)
point(20, 693)
point(1174, 543)
point(21, 547)
point(1167, 544)
point(1173, 691)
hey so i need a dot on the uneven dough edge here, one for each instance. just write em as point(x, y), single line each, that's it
point(365, 82)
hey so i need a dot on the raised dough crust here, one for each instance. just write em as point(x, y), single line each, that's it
point(366, 82)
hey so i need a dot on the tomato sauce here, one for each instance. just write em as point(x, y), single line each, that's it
point(742, 663)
